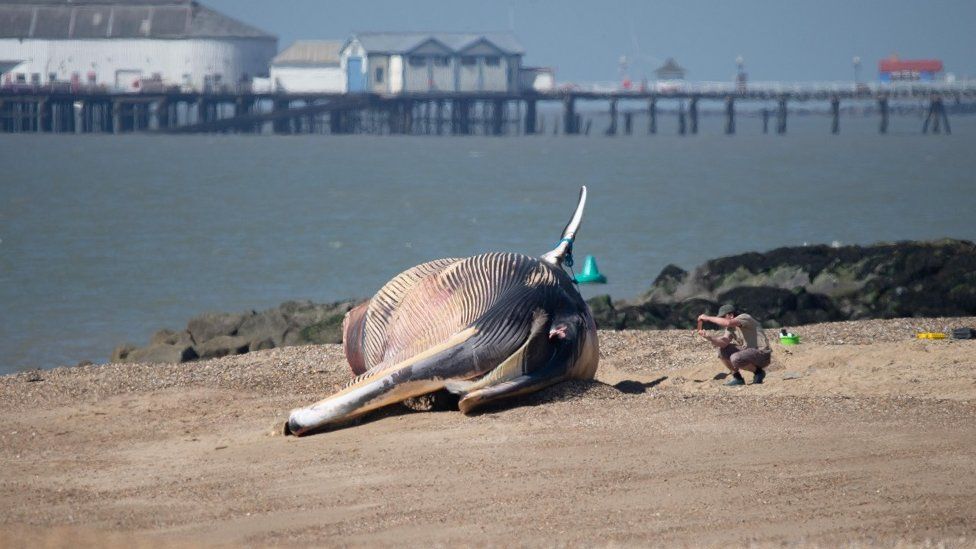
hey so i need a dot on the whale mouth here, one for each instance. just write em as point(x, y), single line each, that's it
point(290, 430)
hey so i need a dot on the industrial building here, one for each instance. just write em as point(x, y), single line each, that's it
point(403, 62)
point(128, 45)
point(309, 66)
point(894, 69)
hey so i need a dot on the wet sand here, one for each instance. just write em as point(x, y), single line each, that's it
point(861, 434)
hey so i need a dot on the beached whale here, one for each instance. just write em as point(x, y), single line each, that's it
point(486, 327)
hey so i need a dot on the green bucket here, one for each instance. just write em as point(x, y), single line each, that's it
point(789, 340)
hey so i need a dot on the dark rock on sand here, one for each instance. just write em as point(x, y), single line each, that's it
point(121, 352)
point(223, 346)
point(328, 330)
point(170, 337)
point(210, 325)
point(162, 353)
point(266, 325)
point(313, 323)
point(262, 345)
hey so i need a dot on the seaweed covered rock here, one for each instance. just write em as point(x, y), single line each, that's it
point(214, 335)
point(806, 284)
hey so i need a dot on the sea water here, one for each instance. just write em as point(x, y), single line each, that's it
point(105, 239)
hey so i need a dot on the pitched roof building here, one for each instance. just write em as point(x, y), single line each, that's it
point(404, 62)
point(405, 42)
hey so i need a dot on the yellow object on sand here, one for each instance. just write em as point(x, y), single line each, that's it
point(931, 335)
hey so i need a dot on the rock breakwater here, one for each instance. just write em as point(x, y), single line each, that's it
point(808, 284)
point(214, 335)
point(783, 287)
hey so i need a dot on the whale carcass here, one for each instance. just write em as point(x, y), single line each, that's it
point(486, 327)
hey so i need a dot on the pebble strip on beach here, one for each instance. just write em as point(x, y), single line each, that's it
point(316, 370)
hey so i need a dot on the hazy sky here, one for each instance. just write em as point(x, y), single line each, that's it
point(584, 40)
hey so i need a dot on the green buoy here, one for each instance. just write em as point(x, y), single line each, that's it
point(591, 273)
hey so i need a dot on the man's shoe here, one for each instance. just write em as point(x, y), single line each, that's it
point(735, 382)
point(759, 377)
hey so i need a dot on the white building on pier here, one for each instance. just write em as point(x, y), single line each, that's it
point(309, 66)
point(413, 62)
point(128, 45)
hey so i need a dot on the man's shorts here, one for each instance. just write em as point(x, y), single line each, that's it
point(740, 357)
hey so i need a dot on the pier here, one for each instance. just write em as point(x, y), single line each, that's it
point(49, 110)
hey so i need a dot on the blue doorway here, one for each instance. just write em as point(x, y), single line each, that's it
point(355, 79)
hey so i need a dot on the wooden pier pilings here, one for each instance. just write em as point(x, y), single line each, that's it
point(835, 115)
point(781, 114)
point(682, 124)
point(883, 109)
point(936, 116)
point(652, 116)
point(530, 117)
point(729, 116)
point(570, 121)
point(433, 113)
point(612, 129)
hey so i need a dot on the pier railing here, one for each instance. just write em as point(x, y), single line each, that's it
point(669, 87)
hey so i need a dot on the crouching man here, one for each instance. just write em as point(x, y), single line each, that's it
point(739, 347)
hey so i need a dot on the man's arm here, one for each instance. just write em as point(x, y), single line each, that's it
point(719, 342)
point(723, 322)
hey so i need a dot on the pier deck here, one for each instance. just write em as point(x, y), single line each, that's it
point(50, 110)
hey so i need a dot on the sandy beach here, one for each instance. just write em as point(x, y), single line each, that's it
point(861, 434)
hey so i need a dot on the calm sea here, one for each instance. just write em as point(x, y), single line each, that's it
point(105, 239)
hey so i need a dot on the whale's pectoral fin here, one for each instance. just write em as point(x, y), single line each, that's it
point(535, 351)
point(554, 368)
point(462, 355)
point(512, 387)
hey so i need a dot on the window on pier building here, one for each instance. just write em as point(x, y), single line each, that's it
point(469, 60)
point(493, 60)
point(417, 61)
point(379, 75)
point(442, 60)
